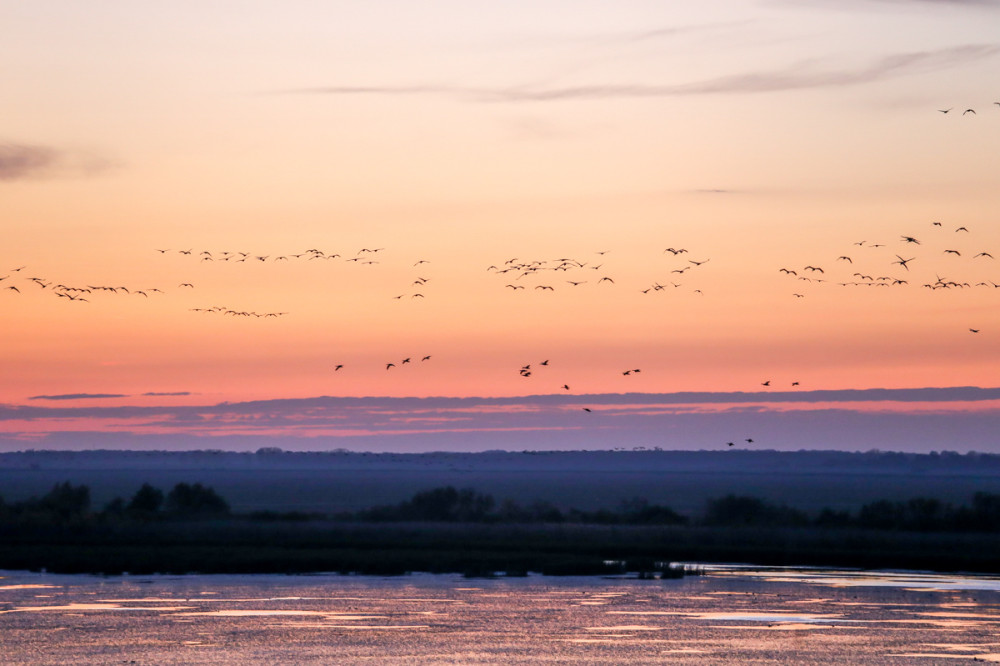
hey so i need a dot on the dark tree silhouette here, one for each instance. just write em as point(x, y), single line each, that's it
point(66, 502)
point(146, 503)
point(195, 501)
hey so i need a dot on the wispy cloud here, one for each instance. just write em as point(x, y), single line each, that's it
point(840, 4)
point(20, 161)
point(799, 76)
point(167, 393)
point(78, 396)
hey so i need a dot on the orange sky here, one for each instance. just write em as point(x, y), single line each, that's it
point(757, 136)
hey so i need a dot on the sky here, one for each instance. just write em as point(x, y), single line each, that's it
point(207, 207)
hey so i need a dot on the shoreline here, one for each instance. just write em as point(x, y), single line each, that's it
point(476, 549)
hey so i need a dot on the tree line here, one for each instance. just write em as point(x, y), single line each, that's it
point(67, 504)
point(920, 514)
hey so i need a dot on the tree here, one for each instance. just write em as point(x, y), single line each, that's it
point(146, 503)
point(195, 501)
point(733, 510)
point(66, 502)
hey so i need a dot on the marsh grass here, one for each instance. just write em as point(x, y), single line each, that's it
point(236, 546)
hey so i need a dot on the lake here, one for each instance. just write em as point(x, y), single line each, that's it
point(729, 615)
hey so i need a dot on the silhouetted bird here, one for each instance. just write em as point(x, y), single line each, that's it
point(902, 262)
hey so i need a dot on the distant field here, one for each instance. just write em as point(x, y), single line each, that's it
point(330, 490)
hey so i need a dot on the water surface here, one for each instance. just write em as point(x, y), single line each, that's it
point(731, 615)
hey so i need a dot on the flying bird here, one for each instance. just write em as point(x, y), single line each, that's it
point(902, 262)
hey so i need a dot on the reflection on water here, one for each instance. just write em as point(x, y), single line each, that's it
point(731, 615)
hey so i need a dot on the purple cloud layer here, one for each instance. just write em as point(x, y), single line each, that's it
point(960, 418)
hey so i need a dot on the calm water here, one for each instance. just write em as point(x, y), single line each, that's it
point(732, 615)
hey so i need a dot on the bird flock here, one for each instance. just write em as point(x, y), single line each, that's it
point(552, 274)
point(948, 252)
point(15, 281)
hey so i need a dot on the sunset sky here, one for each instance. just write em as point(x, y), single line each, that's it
point(148, 145)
